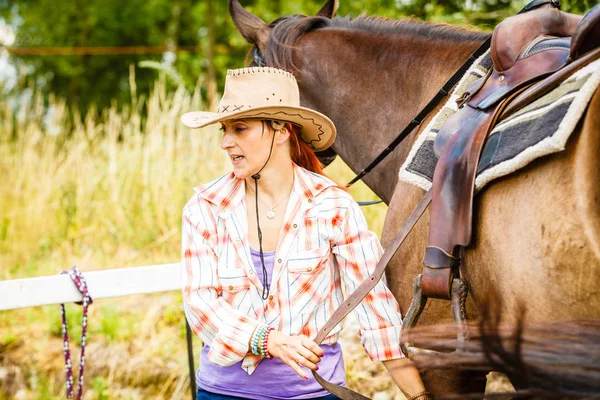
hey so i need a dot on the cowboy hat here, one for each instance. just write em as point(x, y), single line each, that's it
point(266, 93)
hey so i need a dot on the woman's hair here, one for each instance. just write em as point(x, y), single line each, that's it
point(301, 152)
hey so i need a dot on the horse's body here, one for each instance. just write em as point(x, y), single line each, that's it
point(536, 232)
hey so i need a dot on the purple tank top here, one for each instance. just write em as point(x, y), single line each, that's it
point(272, 379)
point(269, 258)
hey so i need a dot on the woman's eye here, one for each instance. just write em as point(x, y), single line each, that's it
point(240, 128)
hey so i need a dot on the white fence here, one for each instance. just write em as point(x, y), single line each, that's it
point(56, 289)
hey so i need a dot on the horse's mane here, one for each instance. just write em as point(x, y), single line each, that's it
point(286, 31)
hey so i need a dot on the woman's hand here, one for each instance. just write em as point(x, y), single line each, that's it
point(296, 351)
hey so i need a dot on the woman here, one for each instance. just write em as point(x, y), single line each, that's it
point(267, 248)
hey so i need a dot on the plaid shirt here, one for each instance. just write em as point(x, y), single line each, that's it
point(324, 243)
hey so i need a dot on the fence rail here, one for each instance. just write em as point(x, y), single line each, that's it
point(56, 289)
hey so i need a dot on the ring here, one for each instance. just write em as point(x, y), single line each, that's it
point(298, 359)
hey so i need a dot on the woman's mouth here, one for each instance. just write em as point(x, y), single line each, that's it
point(236, 159)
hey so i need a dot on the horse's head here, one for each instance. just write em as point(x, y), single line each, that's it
point(267, 49)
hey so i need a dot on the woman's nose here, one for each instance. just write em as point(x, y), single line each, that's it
point(226, 141)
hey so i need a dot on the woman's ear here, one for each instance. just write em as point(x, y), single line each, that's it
point(283, 134)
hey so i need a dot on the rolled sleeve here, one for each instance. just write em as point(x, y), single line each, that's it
point(382, 344)
point(357, 251)
point(226, 330)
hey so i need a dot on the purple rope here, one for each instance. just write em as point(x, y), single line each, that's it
point(81, 284)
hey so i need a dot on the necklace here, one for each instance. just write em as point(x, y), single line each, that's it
point(271, 213)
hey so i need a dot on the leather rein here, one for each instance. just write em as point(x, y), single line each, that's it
point(439, 96)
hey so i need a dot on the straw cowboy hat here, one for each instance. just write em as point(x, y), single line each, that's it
point(266, 93)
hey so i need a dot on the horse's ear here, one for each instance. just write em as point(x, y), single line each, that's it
point(329, 9)
point(252, 28)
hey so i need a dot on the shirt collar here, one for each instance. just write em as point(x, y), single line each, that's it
point(228, 192)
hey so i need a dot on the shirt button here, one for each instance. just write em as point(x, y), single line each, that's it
point(310, 200)
point(308, 269)
point(279, 261)
point(250, 272)
point(237, 239)
point(230, 287)
point(271, 297)
point(295, 225)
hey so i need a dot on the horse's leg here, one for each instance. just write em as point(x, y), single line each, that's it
point(454, 381)
point(405, 265)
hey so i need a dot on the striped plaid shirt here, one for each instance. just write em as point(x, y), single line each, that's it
point(324, 243)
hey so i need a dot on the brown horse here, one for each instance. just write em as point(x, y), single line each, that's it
point(537, 231)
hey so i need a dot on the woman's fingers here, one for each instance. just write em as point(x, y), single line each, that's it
point(312, 346)
point(296, 351)
point(294, 361)
point(309, 356)
point(304, 362)
point(296, 367)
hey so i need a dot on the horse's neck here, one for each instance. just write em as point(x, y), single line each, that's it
point(371, 86)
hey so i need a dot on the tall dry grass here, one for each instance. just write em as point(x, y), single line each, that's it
point(106, 193)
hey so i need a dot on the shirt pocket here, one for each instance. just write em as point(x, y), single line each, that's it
point(234, 284)
point(309, 278)
point(308, 262)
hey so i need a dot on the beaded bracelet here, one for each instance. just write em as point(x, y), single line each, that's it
point(259, 342)
point(264, 349)
point(256, 340)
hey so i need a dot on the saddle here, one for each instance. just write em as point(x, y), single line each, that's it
point(526, 49)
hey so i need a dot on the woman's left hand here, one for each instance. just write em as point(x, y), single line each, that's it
point(296, 351)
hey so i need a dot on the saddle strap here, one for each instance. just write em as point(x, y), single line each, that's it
point(453, 191)
point(363, 289)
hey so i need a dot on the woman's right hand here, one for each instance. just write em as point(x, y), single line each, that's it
point(296, 351)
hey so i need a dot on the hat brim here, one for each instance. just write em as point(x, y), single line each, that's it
point(316, 129)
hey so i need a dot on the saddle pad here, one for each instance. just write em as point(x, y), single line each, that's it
point(539, 129)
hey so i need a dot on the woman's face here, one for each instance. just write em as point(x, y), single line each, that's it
point(247, 143)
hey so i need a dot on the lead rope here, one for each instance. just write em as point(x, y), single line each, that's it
point(81, 285)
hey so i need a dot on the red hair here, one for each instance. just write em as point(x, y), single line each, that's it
point(303, 155)
point(301, 152)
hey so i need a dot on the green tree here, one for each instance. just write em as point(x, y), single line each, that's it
point(85, 79)
point(100, 80)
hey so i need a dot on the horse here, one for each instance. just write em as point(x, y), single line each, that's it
point(536, 232)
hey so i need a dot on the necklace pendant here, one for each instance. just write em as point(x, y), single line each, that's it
point(270, 214)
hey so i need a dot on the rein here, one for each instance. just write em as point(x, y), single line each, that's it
point(441, 94)
point(425, 111)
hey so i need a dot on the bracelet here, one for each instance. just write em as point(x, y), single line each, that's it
point(265, 349)
point(424, 393)
point(256, 340)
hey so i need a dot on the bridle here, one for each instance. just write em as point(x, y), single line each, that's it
point(259, 60)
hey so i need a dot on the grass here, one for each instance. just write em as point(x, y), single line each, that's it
point(107, 193)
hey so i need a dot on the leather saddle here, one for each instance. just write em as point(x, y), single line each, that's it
point(525, 49)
